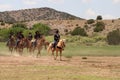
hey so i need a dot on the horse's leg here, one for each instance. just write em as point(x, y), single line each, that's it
point(60, 55)
point(53, 53)
point(56, 54)
point(38, 53)
point(11, 49)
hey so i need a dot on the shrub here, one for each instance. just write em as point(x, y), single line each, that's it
point(90, 21)
point(99, 26)
point(99, 17)
point(86, 27)
point(113, 38)
point(66, 30)
point(44, 29)
point(4, 34)
point(20, 25)
point(79, 31)
point(15, 30)
point(2, 23)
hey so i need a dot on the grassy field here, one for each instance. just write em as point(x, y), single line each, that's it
point(44, 68)
point(73, 49)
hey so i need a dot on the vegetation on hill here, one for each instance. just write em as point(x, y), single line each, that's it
point(99, 17)
point(99, 26)
point(90, 21)
point(79, 31)
point(113, 38)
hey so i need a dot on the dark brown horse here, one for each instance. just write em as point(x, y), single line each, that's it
point(59, 48)
point(20, 46)
point(11, 44)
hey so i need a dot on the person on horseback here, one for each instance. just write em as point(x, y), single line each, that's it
point(56, 38)
point(19, 37)
point(36, 37)
point(11, 34)
point(30, 36)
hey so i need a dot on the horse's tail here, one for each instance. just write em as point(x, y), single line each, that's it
point(49, 48)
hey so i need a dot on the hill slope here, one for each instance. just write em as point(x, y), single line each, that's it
point(35, 14)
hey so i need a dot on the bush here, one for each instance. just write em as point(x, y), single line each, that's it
point(99, 17)
point(2, 23)
point(4, 34)
point(90, 21)
point(44, 29)
point(99, 26)
point(113, 38)
point(16, 29)
point(79, 31)
point(86, 27)
point(20, 25)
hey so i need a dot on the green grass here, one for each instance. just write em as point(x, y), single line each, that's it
point(73, 49)
point(82, 50)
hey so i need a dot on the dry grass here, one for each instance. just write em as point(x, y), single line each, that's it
point(31, 68)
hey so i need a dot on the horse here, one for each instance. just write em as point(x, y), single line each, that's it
point(40, 42)
point(28, 44)
point(20, 46)
point(11, 44)
point(59, 48)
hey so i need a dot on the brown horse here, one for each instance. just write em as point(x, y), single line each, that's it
point(11, 44)
point(59, 48)
point(28, 44)
point(39, 44)
point(20, 46)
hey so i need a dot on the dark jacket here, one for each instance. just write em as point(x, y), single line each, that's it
point(37, 36)
point(20, 36)
point(56, 37)
point(30, 37)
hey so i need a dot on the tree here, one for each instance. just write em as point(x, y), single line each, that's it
point(90, 21)
point(79, 31)
point(99, 17)
point(44, 29)
point(113, 37)
point(99, 26)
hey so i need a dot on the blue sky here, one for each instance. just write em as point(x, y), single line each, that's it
point(88, 9)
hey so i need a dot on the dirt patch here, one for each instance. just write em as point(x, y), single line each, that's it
point(99, 66)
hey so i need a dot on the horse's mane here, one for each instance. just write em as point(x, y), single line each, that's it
point(63, 40)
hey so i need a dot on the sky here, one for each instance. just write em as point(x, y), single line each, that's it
point(87, 9)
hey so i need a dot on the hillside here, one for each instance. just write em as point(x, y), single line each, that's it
point(55, 19)
point(35, 15)
point(69, 25)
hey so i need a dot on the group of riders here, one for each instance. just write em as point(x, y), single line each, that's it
point(19, 36)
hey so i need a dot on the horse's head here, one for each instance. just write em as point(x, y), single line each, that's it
point(12, 38)
point(62, 42)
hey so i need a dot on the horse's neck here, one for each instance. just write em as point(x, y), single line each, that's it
point(59, 44)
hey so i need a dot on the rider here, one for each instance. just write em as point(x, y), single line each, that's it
point(19, 37)
point(37, 36)
point(11, 34)
point(56, 38)
point(30, 36)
